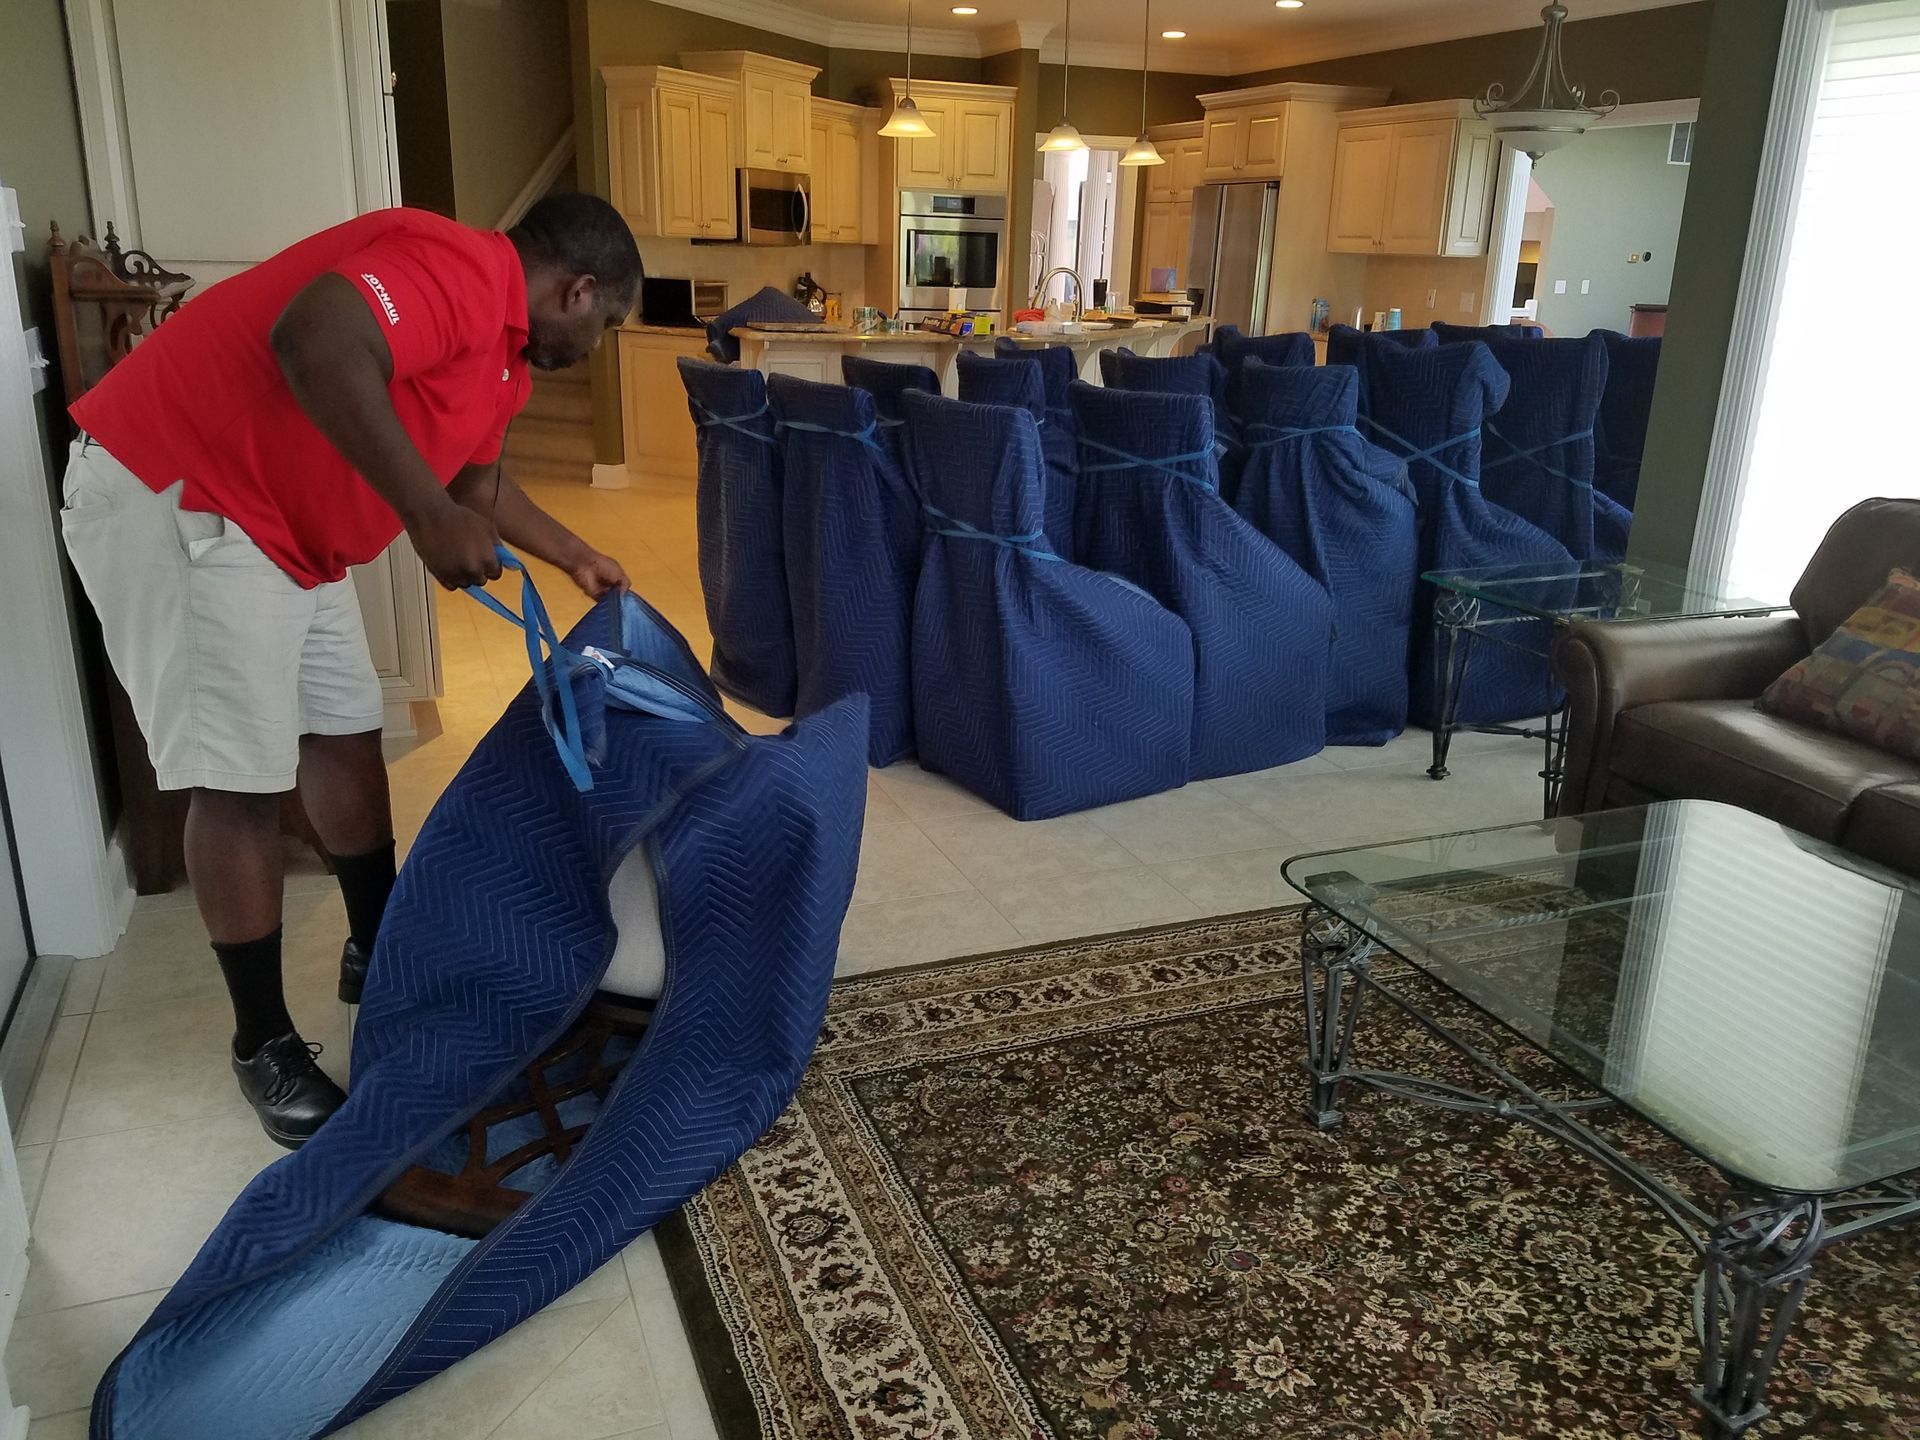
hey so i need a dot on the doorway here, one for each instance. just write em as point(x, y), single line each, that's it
point(1078, 206)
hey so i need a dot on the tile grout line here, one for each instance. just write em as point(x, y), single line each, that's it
point(592, 1331)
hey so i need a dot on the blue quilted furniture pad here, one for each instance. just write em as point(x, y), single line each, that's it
point(1059, 436)
point(1467, 334)
point(743, 571)
point(1197, 374)
point(766, 306)
point(1038, 685)
point(1538, 458)
point(1343, 509)
point(1626, 406)
point(1428, 408)
point(1150, 510)
point(886, 382)
point(853, 554)
point(300, 1313)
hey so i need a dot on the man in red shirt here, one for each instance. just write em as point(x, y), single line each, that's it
point(288, 424)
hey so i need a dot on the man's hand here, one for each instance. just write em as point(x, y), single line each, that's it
point(456, 545)
point(597, 574)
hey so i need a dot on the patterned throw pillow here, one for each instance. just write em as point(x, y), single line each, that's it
point(1865, 681)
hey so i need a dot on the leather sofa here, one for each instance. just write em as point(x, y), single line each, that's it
point(1664, 709)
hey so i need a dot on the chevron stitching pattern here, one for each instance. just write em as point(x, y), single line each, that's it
point(1262, 627)
point(1539, 455)
point(852, 530)
point(1059, 437)
point(498, 932)
point(743, 570)
point(1429, 396)
point(1042, 687)
point(1343, 509)
point(886, 383)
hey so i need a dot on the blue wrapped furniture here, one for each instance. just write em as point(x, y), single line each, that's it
point(1344, 510)
point(1428, 408)
point(1538, 458)
point(1233, 349)
point(852, 525)
point(984, 380)
point(1150, 510)
point(1626, 405)
point(1038, 685)
point(887, 382)
point(743, 571)
point(1059, 438)
point(304, 1311)
point(1467, 334)
point(766, 306)
point(1196, 374)
point(1348, 346)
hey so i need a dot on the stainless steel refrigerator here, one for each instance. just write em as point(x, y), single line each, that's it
point(1231, 257)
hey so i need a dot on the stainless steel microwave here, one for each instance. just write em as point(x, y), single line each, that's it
point(776, 208)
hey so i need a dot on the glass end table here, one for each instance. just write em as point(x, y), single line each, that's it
point(1750, 992)
point(1503, 604)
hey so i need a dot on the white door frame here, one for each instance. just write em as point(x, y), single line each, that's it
point(78, 892)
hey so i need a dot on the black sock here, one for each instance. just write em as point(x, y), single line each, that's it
point(366, 881)
point(252, 971)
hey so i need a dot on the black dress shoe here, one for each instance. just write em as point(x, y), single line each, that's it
point(288, 1091)
point(353, 972)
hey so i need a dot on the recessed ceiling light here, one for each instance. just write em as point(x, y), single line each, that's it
point(966, 10)
point(1173, 34)
point(1291, 4)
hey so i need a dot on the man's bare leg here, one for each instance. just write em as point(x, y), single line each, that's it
point(343, 782)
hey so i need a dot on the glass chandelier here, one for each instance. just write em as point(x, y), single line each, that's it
point(1143, 151)
point(906, 122)
point(1548, 111)
point(1063, 138)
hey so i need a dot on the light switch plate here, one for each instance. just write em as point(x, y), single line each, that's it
point(1433, 299)
point(1559, 287)
point(1586, 287)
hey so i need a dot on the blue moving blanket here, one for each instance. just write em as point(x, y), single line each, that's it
point(1626, 406)
point(1467, 334)
point(887, 382)
point(302, 1312)
point(1038, 685)
point(1344, 510)
point(1428, 408)
point(1059, 436)
point(1150, 510)
point(1197, 374)
point(766, 306)
point(743, 573)
point(1538, 459)
point(853, 552)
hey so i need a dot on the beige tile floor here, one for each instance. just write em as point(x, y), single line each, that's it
point(134, 1140)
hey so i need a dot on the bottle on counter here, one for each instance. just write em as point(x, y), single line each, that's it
point(1320, 317)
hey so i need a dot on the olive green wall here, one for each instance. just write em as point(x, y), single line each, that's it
point(1107, 102)
point(418, 49)
point(861, 76)
point(1645, 55)
point(507, 98)
point(1735, 99)
point(1020, 69)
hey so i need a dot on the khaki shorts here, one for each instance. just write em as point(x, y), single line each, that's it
point(227, 659)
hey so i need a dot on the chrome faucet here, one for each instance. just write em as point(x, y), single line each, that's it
point(1079, 290)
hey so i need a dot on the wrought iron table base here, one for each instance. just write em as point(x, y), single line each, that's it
point(1757, 1254)
point(1457, 624)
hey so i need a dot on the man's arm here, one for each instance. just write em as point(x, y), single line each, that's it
point(339, 366)
point(489, 491)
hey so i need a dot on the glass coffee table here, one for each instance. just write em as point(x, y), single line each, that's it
point(1504, 605)
point(1752, 993)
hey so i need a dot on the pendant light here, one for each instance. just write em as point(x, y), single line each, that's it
point(1143, 151)
point(1063, 138)
point(1549, 111)
point(906, 122)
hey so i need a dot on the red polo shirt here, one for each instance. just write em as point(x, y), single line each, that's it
point(202, 399)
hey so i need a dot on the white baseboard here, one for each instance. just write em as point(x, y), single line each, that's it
point(611, 477)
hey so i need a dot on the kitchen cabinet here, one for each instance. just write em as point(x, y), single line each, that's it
point(672, 139)
point(1167, 241)
point(776, 106)
point(1244, 142)
point(658, 428)
point(971, 148)
point(844, 145)
point(1413, 180)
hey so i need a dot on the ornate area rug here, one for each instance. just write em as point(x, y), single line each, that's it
point(1069, 1192)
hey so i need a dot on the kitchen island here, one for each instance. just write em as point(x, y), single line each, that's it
point(816, 354)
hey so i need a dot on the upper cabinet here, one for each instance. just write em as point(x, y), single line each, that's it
point(1413, 180)
point(1245, 135)
point(845, 210)
point(776, 106)
point(672, 140)
point(971, 148)
point(1168, 236)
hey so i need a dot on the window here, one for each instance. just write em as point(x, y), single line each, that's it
point(1822, 371)
point(1680, 145)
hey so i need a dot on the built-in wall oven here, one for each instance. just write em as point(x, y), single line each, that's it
point(948, 244)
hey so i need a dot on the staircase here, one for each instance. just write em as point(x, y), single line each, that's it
point(553, 438)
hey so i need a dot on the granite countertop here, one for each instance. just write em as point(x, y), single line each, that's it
point(678, 332)
point(847, 336)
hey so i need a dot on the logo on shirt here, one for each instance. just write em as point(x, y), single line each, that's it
point(380, 294)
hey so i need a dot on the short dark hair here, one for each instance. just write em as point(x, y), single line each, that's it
point(581, 235)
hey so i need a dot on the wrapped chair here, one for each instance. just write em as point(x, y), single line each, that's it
point(743, 570)
point(1233, 349)
point(1038, 685)
point(1344, 510)
point(1196, 374)
point(764, 307)
point(1428, 408)
point(887, 382)
point(1538, 460)
point(1348, 346)
point(1150, 510)
point(852, 526)
point(1626, 405)
point(1059, 437)
point(1466, 334)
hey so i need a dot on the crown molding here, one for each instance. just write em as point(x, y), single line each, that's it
point(1125, 55)
point(1015, 35)
point(888, 39)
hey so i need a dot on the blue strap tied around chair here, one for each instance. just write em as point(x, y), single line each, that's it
point(867, 435)
point(1032, 544)
point(1169, 465)
point(1414, 454)
point(1279, 434)
point(740, 423)
point(1533, 453)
